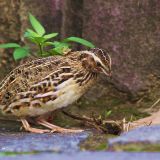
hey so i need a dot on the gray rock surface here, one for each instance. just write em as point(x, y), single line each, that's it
point(148, 134)
point(129, 30)
point(28, 142)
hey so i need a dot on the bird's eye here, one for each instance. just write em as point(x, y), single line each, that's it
point(98, 64)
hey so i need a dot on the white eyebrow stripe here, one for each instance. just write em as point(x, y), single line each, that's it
point(95, 58)
point(110, 61)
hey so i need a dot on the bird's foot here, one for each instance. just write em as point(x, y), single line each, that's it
point(31, 129)
point(58, 129)
point(64, 130)
point(36, 130)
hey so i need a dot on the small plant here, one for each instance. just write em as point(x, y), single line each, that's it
point(38, 36)
point(107, 114)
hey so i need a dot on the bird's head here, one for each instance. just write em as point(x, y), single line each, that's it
point(96, 60)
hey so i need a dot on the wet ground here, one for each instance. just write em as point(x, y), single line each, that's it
point(16, 144)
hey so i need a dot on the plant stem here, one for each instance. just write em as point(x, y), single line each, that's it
point(41, 49)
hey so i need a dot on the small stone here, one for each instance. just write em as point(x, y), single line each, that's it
point(149, 134)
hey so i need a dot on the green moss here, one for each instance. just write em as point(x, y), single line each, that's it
point(102, 146)
point(96, 142)
point(137, 147)
point(15, 153)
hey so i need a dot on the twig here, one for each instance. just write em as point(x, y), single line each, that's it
point(99, 124)
point(124, 124)
point(83, 118)
point(153, 105)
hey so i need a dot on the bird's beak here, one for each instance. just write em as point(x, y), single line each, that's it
point(110, 74)
point(106, 72)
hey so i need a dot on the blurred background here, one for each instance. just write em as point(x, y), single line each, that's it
point(128, 30)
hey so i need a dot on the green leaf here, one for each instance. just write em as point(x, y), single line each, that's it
point(10, 45)
point(56, 44)
point(26, 34)
point(79, 40)
point(108, 113)
point(60, 47)
point(20, 53)
point(49, 36)
point(31, 33)
point(48, 44)
point(36, 25)
point(61, 44)
point(32, 40)
point(60, 50)
point(39, 39)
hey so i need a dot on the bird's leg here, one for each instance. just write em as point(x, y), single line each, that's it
point(27, 127)
point(55, 128)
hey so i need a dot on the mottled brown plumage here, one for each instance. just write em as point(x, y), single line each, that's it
point(41, 86)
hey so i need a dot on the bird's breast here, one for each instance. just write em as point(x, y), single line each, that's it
point(67, 93)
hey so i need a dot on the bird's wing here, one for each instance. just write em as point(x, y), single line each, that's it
point(26, 75)
point(43, 90)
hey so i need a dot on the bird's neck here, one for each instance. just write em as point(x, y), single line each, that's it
point(82, 74)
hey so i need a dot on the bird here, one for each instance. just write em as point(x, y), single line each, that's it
point(35, 89)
